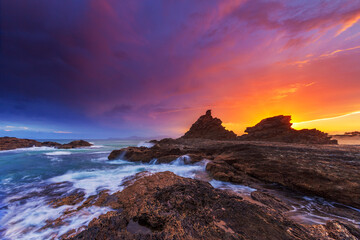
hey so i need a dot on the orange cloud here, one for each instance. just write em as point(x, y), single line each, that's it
point(348, 24)
point(339, 51)
point(282, 93)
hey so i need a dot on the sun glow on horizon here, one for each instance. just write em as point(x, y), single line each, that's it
point(338, 124)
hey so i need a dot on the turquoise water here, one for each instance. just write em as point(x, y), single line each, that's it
point(24, 172)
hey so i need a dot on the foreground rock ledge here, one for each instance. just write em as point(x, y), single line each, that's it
point(166, 206)
point(332, 172)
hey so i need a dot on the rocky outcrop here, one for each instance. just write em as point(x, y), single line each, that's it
point(161, 153)
point(329, 171)
point(278, 129)
point(75, 144)
point(166, 206)
point(9, 143)
point(207, 127)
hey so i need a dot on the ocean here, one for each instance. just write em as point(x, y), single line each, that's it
point(24, 215)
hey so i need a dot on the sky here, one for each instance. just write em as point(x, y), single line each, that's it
point(113, 68)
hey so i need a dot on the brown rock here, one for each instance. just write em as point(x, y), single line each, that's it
point(335, 230)
point(162, 152)
point(328, 173)
point(51, 144)
point(270, 200)
point(278, 129)
point(165, 206)
point(207, 127)
point(75, 144)
point(71, 198)
point(8, 143)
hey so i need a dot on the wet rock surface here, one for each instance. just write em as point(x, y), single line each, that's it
point(166, 206)
point(332, 172)
point(207, 127)
point(278, 129)
point(9, 143)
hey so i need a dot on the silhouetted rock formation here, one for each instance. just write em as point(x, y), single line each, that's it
point(9, 143)
point(353, 134)
point(278, 129)
point(207, 127)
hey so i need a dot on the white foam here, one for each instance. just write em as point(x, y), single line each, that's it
point(102, 152)
point(145, 144)
point(232, 187)
point(96, 146)
point(55, 159)
point(153, 161)
point(100, 159)
point(30, 149)
point(58, 153)
point(181, 161)
point(94, 181)
point(33, 215)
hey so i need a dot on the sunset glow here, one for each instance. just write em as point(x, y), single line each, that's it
point(121, 68)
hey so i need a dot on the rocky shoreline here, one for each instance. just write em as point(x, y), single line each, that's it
point(10, 143)
point(332, 172)
point(166, 206)
point(305, 161)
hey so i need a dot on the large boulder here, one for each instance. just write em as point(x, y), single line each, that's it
point(208, 127)
point(278, 129)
